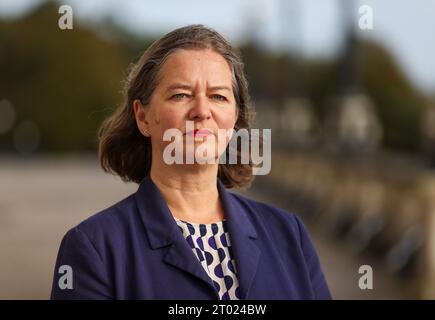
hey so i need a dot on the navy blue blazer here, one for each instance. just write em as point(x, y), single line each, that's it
point(135, 250)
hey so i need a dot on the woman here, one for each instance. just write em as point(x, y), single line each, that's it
point(182, 235)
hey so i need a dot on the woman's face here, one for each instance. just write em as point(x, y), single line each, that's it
point(194, 85)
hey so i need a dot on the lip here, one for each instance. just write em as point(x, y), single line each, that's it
point(197, 133)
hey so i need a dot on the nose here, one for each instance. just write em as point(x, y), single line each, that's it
point(200, 110)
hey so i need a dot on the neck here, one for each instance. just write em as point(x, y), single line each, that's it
point(190, 191)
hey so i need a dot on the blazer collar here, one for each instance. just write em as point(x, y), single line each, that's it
point(160, 224)
point(163, 231)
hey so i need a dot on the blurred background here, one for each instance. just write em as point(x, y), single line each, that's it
point(351, 105)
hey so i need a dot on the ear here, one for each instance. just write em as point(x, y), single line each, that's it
point(140, 113)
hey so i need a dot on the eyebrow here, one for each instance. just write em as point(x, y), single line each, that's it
point(178, 86)
point(188, 87)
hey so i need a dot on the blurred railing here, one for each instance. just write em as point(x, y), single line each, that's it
point(381, 205)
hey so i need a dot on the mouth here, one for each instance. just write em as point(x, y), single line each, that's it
point(199, 133)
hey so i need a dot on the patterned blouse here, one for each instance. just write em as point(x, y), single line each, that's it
point(211, 245)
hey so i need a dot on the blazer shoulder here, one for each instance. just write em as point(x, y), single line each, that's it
point(267, 212)
point(109, 220)
point(282, 225)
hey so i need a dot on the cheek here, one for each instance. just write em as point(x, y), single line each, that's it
point(227, 120)
point(163, 116)
point(169, 119)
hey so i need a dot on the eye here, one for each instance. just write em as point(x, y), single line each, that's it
point(179, 96)
point(218, 97)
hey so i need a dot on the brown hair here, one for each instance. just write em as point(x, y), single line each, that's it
point(124, 151)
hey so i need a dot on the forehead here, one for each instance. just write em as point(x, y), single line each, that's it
point(196, 65)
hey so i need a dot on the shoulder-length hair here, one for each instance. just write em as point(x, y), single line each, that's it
point(124, 151)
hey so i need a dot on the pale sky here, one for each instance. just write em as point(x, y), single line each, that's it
point(406, 28)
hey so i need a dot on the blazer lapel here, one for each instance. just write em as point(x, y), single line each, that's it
point(181, 256)
point(242, 236)
point(162, 231)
